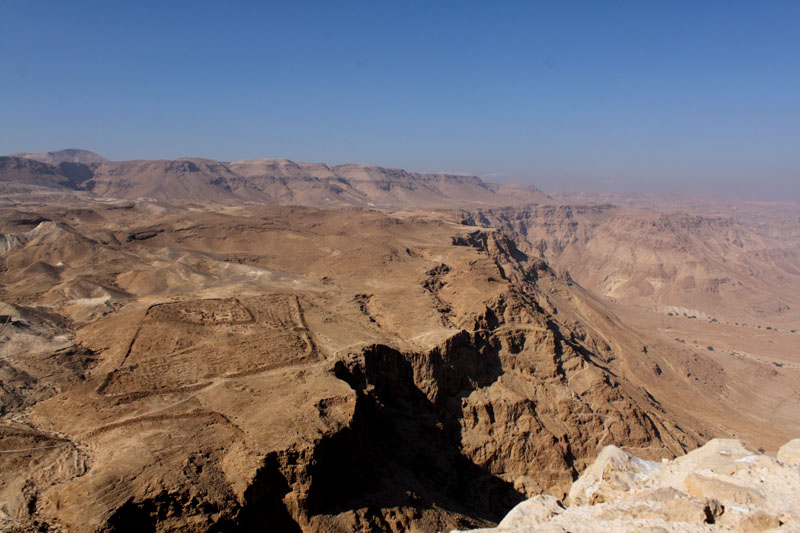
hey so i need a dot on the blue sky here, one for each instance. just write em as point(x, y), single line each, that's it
point(645, 96)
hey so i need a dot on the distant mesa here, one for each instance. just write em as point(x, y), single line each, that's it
point(260, 181)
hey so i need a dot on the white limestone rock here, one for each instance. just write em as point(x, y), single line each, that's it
point(721, 486)
point(790, 453)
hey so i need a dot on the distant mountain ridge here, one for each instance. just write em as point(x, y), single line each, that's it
point(67, 155)
point(264, 181)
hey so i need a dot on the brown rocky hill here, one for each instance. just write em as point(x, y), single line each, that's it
point(717, 296)
point(172, 368)
point(264, 181)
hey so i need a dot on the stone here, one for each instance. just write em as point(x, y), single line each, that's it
point(665, 503)
point(789, 453)
point(721, 486)
point(533, 511)
point(705, 487)
point(758, 521)
point(610, 476)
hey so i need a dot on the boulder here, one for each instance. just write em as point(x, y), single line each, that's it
point(721, 486)
point(790, 453)
point(611, 475)
point(533, 511)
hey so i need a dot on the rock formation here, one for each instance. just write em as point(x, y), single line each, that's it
point(719, 487)
point(207, 366)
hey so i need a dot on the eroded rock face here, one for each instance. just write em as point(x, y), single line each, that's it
point(719, 487)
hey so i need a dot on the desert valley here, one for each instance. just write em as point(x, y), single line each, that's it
point(270, 345)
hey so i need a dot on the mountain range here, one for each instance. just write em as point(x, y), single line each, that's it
point(260, 181)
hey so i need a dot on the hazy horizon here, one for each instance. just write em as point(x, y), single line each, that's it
point(618, 97)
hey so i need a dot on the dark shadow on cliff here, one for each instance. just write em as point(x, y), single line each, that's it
point(403, 448)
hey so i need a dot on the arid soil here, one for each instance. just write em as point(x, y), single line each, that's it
point(207, 366)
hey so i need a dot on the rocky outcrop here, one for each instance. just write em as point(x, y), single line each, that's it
point(790, 453)
point(719, 487)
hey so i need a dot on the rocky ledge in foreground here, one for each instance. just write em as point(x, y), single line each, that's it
point(719, 487)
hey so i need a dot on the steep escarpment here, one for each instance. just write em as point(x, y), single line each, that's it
point(709, 298)
point(560, 389)
point(414, 454)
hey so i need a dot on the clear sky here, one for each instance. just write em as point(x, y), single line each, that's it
point(695, 96)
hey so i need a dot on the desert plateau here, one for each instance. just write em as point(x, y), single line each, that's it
point(265, 345)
